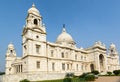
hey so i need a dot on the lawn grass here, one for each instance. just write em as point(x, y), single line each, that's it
point(62, 80)
point(58, 80)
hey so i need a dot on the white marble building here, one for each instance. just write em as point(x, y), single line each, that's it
point(54, 60)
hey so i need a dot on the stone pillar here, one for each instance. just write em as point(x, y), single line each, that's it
point(21, 68)
point(106, 66)
point(17, 69)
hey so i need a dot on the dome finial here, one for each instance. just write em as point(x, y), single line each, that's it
point(63, 28)
point(33, 5)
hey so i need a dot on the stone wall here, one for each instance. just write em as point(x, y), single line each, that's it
point(31, 77)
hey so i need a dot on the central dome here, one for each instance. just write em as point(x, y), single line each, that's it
point(34, 11)
point(65, 37)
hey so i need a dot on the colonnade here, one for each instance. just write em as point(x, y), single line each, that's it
point(18, 68)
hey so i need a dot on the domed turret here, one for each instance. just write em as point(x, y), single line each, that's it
point(112, 50)
point(64, 37)
point(10, 46)
point(11, 50)
point(34, 19)
point(10, 57)
point(112, 46)
point(34, 11)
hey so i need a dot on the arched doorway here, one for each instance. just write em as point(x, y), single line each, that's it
point(92, 67)
point(101, 61)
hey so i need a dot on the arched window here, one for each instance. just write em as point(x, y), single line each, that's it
point(52, 53)
point(11, 51)
point(35, 22)
point(101, 60)
point(81, 57)
point(76, 66)
point(53, 66)
point(62, 55)
point(38, 49)
point(63, 66)
point(38, 64)
point(92, 67)
point(75, 56)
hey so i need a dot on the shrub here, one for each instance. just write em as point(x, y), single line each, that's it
point(83, 75)
point(116, 72)
point(67, 80)
point(109, 73)
point(56, 80)
point(95, 72)
point(75, 76)
point(24, 80)
point(119, 71)
point(89, 77)
point(69, 75)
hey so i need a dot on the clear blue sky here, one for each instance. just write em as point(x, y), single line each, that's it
point(86, 20)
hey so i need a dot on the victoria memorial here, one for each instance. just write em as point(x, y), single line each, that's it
point(43, 60)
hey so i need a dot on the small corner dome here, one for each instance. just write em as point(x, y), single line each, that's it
point(33, 10)
point(112, 46)
point(10, 45)
point(65, 37)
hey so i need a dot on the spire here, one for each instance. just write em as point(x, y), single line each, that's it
point(64, 30)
